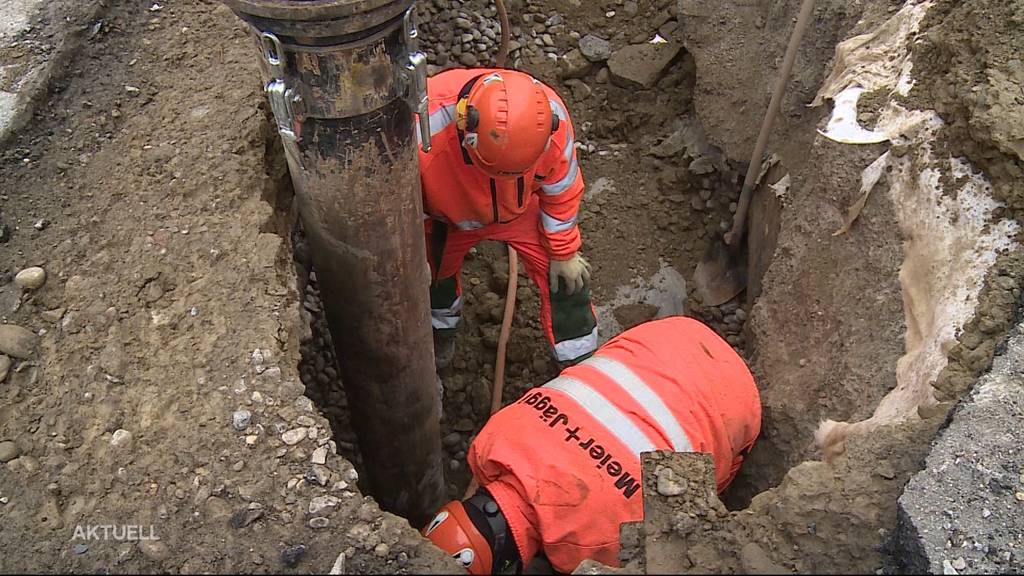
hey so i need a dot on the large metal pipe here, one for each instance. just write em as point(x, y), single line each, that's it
point(343, 78)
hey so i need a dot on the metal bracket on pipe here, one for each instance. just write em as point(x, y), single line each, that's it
point(283, 100)
point(417, 67)
point(416, 78)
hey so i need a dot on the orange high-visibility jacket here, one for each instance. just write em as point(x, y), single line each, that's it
point(458, 194)
point(563, 462)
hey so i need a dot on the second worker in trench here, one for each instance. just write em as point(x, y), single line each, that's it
point(503, 167)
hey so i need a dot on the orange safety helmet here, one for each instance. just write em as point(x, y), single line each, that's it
point(506, 121)
point(451, 530)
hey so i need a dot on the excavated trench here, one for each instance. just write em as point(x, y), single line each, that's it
point(826, 336)
point(889, 324)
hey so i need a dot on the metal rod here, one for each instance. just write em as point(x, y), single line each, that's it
point(343, 96)
point(740, 218)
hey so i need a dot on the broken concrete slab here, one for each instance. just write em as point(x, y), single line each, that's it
point(36, 38)
point(641, 65)
point(965, 511)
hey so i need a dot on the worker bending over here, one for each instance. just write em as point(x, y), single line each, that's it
point(559, 470)
point(503, 167)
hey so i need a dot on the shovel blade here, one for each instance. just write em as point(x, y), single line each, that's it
point(721, 274)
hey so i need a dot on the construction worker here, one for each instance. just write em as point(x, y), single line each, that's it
point(559, 470)
point(503, 167)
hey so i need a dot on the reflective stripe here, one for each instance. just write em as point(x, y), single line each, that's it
point(633, 385)
point(570, 143)
point(446, 318)
point(566, 181)
point(557, 109)
point(568, 152)
point(620, 425)
point(439, 120)
point(572, 349)
point(469, 225)
point(554, 224)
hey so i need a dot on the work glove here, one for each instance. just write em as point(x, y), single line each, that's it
point(575, 271)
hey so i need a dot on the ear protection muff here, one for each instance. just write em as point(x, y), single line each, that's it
point(472, 116)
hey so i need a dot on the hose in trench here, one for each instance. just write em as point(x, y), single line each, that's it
point(513, 265)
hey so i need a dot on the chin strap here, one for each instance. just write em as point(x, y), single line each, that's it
point(503, 547)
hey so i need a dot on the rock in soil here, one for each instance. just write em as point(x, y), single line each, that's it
point(16, 341)
point(8, 451)
point(31, 278)
point(595, 48)
point(5, 366)
point(291, 555)
point(240, 419)
point(641, 65)
point(574, 65)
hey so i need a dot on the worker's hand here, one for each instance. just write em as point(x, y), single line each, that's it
point(575, 270)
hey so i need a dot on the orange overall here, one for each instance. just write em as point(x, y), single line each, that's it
point(535, 213)
point(563, 463)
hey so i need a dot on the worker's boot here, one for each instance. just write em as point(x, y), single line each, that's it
point(444, 348)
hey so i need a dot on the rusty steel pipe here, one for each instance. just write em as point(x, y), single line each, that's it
point(344, 79)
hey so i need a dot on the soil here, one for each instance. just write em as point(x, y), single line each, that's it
point(170, 303)
point(172, 255)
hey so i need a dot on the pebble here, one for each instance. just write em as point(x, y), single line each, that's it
point(291, 555)
point(702, 165)
point(574, 65)
point(154, 549)
point(31, 278)
point(293, 437)
point(318, 475)
point(244, 517)
point(451, 440)
point(8, 451)
point(121, 438)
point(668, 484)
point(321, 503)
point(257, 360)
point(52, 315)
point(381, 550)
point(5, 366)
point(240, 419)
point(959, 564)
point(80, 549)
point(16, 341)
point(41, 224)
point(595, 48)
point(319, 455)
point(319, 522)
